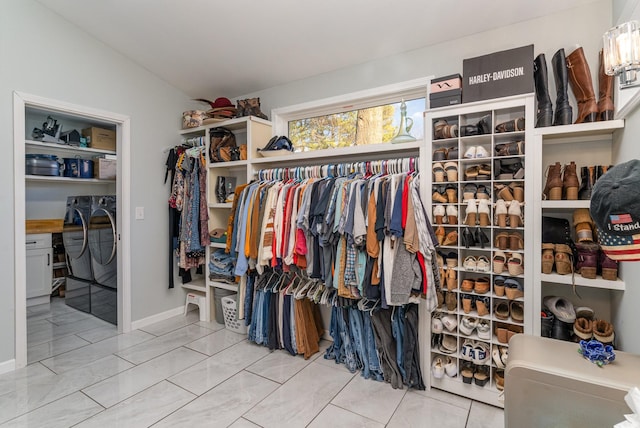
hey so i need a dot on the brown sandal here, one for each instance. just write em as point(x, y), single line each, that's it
point(451, 238)
point(452, 283)
point(501, 310)
point(502, 240)
point(515, 241)
point(481, 285)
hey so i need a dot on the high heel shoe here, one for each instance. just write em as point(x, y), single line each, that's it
point(439, 213)
point(450, 239)
point(451, 168)
point(484, 212)
point(515, 214)
point(467, 238)
point(518, 191)
point(481, 237)
point(471, 213)
point(504, 192)
point(440, 233)
point(501, 213)
point(438, 195)
point(452, 194)
point(452, 214)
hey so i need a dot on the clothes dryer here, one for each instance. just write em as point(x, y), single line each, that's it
point(102, 236)
point(75, 237)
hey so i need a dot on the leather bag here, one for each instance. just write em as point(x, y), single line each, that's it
point(558, 231)
point(222, 145)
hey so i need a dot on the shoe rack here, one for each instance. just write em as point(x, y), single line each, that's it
point(478, 165)
point(586, 144)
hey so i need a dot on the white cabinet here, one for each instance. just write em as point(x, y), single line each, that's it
point(586, 144)
point(478, 313)
point(255, 133)
point(39, 268)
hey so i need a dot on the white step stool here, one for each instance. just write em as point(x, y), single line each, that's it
point(198, 300)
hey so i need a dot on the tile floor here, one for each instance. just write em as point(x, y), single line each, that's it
point(182, 372)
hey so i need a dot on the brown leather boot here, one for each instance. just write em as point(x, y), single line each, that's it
point(605, 93)
point(553, 189)
point(570, 183)
point(582, 86)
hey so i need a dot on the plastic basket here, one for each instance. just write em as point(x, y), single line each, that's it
point(231, 321)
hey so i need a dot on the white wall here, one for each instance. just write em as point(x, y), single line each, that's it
point(42, 54)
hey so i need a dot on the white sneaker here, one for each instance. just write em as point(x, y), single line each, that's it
point(484, 330)
point(470, 153)
point(449, 322)
point(481, 152)
point(437, 368)
point(450, 367)
point(436, 325)
point(468, 324)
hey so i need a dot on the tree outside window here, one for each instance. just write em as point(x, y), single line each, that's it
point(374, 125)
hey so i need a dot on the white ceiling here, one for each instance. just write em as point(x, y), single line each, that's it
point(213, 48)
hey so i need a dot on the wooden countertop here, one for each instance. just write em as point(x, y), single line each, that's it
point(53, 225)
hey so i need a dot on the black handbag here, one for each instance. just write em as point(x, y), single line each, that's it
point(558, 231)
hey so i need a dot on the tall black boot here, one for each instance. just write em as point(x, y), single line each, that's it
point(541, 79)
point(564, 113)
point(587, 180)
point(601, 170)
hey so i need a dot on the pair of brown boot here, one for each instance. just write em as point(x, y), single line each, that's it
point(562, 183)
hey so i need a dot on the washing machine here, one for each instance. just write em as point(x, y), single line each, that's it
point(102, 238)
point(75, 237)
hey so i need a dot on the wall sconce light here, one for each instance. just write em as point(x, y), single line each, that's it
point(622, 53)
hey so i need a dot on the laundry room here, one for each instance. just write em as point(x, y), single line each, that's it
point(70, 236)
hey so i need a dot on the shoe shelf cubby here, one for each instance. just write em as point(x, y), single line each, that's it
point(479, 185)
point(586, 145)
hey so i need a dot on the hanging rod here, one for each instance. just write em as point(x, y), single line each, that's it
point(384, 167)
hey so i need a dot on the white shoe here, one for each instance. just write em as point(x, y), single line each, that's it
point(484, 330)
point(471, 216)
point(481, 152)
point(467, 325)
point(437, 368)
point(452, 214)
point(450, 367)
point(483, 208)
point(500, 213)
point(436, 325)
point(449, 322)
point(515, 214)
point(438, 214)
point(470, 153)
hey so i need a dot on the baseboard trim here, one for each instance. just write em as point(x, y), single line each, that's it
point(7, 366)
point(142, 323)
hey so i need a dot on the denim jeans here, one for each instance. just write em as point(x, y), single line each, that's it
point(357, 332)
point(248, 299)
point(334, 351)
point(397, 327)
point(372, 352)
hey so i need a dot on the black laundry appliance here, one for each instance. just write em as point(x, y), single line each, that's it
point(102, 237)
point(75, 236)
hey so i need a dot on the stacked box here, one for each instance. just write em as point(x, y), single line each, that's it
point(446, 91)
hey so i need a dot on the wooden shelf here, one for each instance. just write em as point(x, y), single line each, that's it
point(583, 282)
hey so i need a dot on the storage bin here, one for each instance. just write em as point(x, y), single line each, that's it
point(218, 294)
point(231, 320)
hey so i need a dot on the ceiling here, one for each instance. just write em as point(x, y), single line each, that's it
point(209, 48)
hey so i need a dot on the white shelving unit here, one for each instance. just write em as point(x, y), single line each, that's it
point(586, 144)
point(255, 133)
point(499, 111)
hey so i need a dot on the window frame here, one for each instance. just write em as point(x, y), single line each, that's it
point(381, 95)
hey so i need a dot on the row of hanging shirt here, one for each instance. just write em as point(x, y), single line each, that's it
point(188, 197)
point(365, 234)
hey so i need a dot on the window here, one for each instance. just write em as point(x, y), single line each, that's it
point(368, 117)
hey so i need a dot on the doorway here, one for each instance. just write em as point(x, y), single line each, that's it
point(21, 104)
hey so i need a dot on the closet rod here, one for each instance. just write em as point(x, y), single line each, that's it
point(388, 166)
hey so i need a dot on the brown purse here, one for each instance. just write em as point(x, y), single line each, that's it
point(222, 144)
